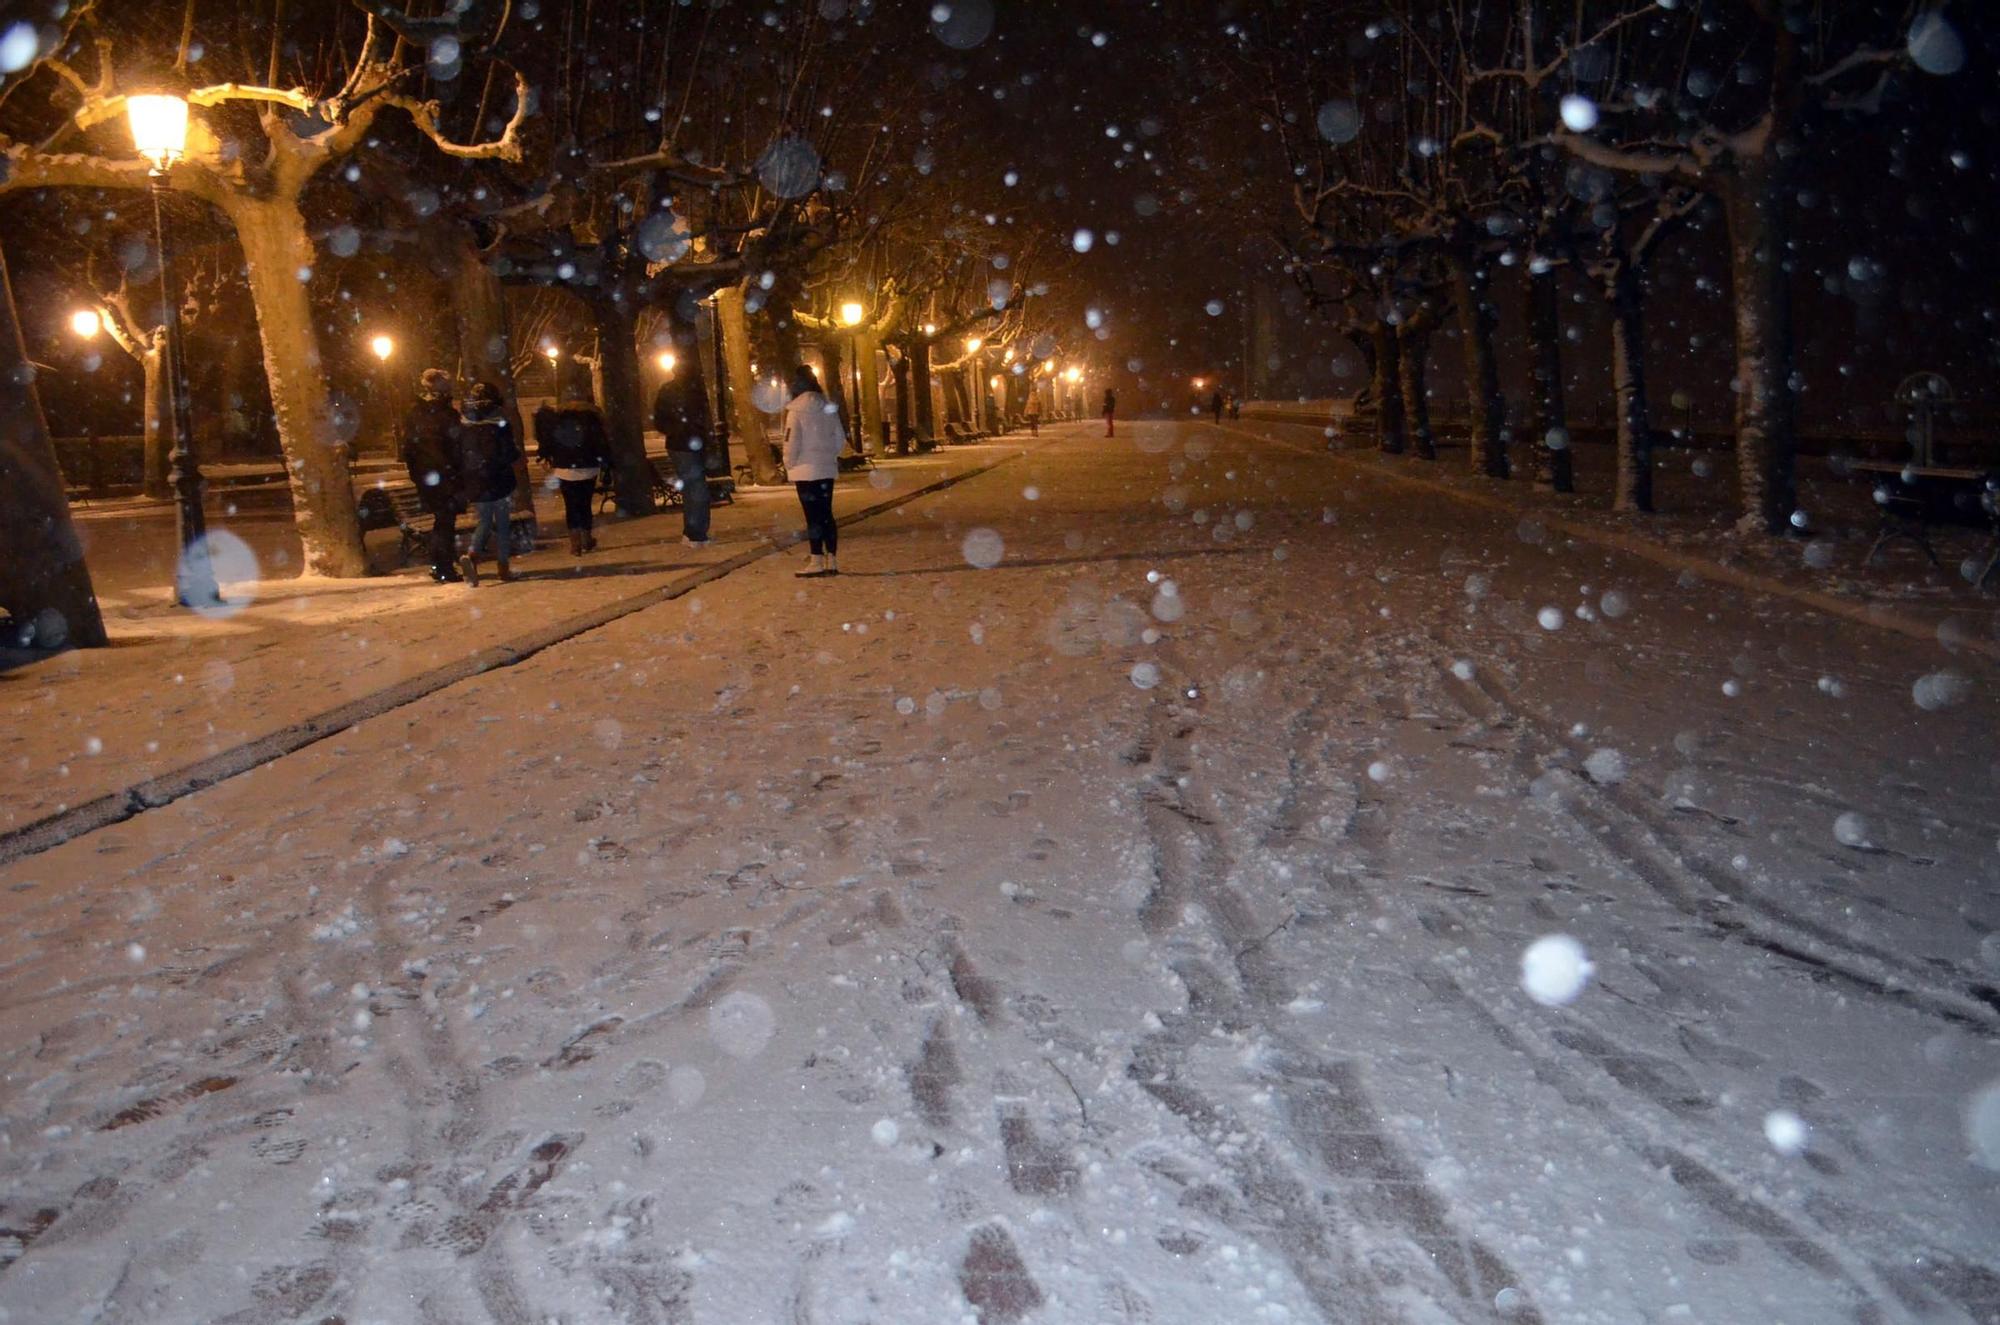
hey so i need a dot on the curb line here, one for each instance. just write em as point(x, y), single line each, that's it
point(1636, 545)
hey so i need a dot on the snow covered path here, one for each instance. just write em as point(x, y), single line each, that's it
point(1106, 901)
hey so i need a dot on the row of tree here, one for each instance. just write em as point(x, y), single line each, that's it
point(1432, 142)
point(711, 176)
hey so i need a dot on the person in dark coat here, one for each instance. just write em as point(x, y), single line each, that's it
point(680, 413)
point(429, 445)
point(1215, 403)
point(487, 452)
point(572, 441)
point(1110, 409)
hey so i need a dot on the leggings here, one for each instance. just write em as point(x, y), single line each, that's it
point(816, 500)
point(576, 495)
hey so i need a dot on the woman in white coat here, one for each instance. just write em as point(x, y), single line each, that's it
point(813, 441)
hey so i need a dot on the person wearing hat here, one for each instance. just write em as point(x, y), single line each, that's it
point(487, 452)
point(430, 452)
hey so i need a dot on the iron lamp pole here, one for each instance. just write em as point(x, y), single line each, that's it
point(159, 131)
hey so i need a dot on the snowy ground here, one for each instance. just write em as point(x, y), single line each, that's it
point(1130, 930)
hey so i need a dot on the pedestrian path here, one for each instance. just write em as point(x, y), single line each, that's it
point(178, 688)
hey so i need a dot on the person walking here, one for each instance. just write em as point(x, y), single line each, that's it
point(813, 441)
point(487, 452)
point(680, 412)
point(429, 445)
point(572, 441)
point(1215, 404)
point(1034, 415)
point(1110, 409)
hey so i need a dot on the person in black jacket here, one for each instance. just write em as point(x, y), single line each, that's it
point(571, 440)
point(680, 413)
point(487, 452)
point(430, 453)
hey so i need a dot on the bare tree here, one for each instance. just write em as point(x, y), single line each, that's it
point(260, 192)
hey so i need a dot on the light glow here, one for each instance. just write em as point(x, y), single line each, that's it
point(159, 128)
point(382, 347)
point(86, 323)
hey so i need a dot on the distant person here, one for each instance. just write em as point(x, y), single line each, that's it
point(430, 452)
point(1033, 413)
point(487, 452)
point(813, 441)
point(680, 412)
point(1110, 410)
point(1215, 405)
point(572, 441)
point(1235, 406)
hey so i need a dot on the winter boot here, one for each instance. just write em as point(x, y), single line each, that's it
point(468, 567)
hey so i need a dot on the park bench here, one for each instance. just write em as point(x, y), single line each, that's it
point(1910, 498)
point(666, 486)
point(397, 506)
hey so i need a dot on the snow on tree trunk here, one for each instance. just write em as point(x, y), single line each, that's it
point(745, 420)
point(865, 346)
point(1634, 490)
point(1472, 289)
point(1766, 442)
point(623, 404)
point(1388, 387)
point(1545, 381)
point(920, 378)
point(158, 418)
point(485, 350)
point(44, 583)
point(1414, 343)
point(278, 259)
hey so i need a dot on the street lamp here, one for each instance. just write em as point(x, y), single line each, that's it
point(86, 323)
point(382, 347)
point(159, 132)
point(851, 314)
point(666, 361)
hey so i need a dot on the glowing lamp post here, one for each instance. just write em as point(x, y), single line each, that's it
point(382, 347)
point(666, 360)
point(851, 314)
point(159, 132)
point(86, 323)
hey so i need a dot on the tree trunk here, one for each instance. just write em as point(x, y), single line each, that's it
point(744, 418)
point(159, 422)
point(865, 347)
point(623, 404)
point(899, 369)
point(1388, 384)
point(1628, 385)
point(1766, 442)
point(920, 380)
point(44, 583)
point(485, 350)
point(1471, 282)
point(1414, 346)
point(1545, 380)
point(957, 404)
point(277, 255)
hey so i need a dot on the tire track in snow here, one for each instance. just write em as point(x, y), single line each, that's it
point(1651, 851)
point(1382, 1211)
